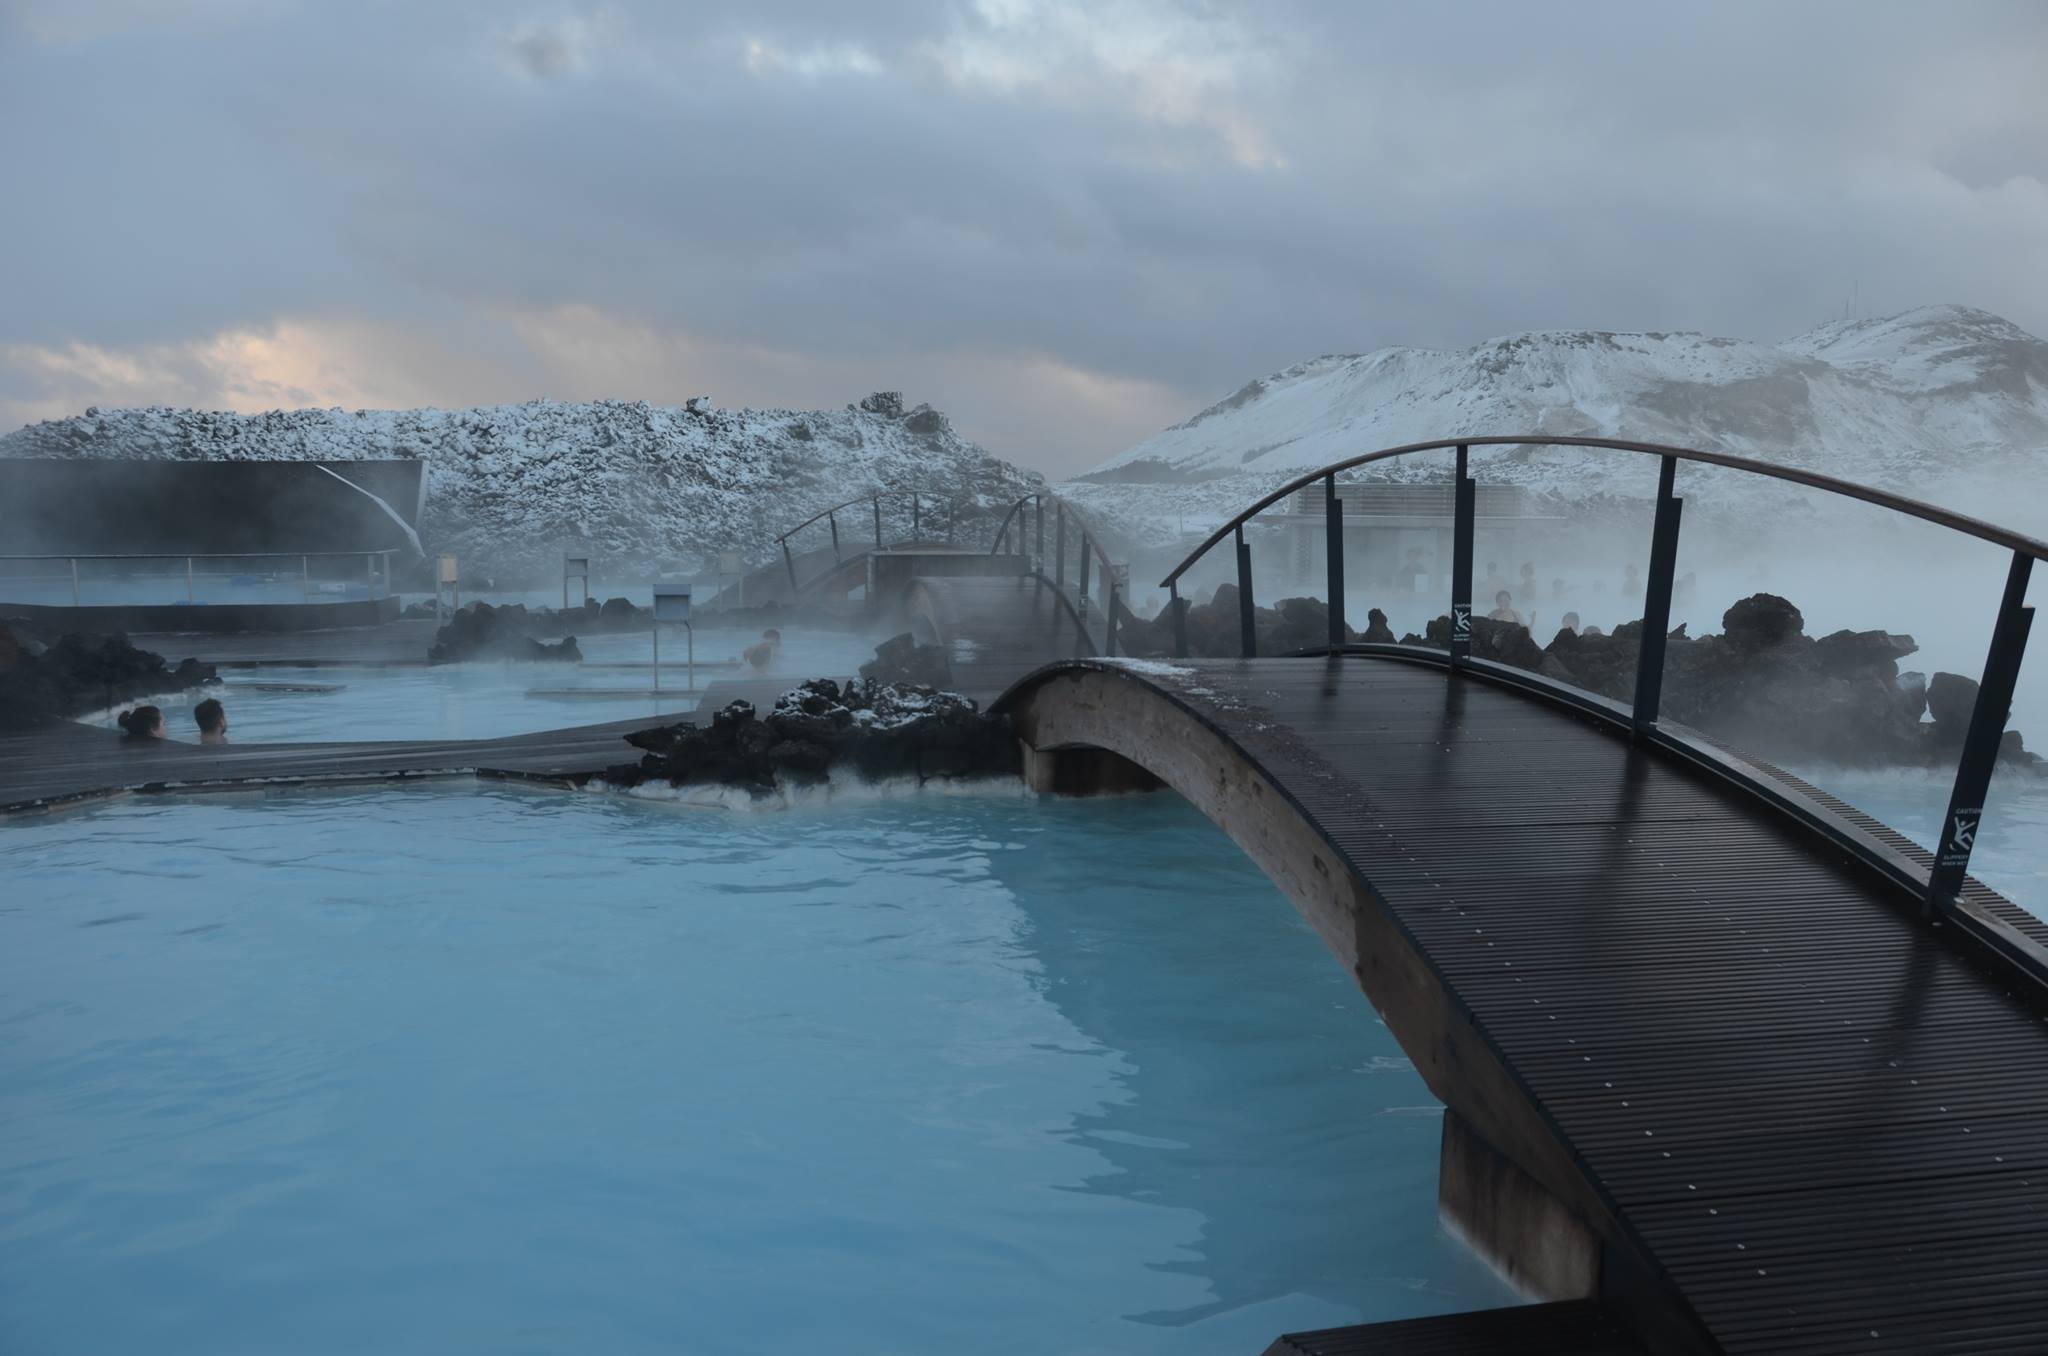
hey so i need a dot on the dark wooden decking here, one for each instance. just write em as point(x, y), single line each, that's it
point(1825, 1123)
point(1571, 1328)
point(69, 764)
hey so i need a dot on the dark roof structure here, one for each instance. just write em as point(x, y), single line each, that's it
point(104, 507)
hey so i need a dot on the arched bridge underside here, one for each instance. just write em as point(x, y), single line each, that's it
point(1697, 1062)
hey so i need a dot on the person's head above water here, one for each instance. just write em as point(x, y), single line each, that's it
point(772, 634)
point(212, 719)
point(1570, 622)
point(144, 722)
point(1503, 598)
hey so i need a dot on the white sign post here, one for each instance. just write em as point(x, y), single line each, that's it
point(448, 577)
point(672, 604)
point(575, 567)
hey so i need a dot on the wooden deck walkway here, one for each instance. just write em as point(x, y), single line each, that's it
point(1822, 1123)
point(71, 764)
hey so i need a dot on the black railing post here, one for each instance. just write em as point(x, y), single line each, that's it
point(1247, 616)
point(1980, 745)
point(1109, 626)
point(789, 563)
point(1083, 608)
point(1059, 546)
point(877, 501)
point(916, 518)
point(1041, 527)
point(1180, 620)
point(1461, 564)
point(1333, 528)
point(1657, 598)
point(833, 519)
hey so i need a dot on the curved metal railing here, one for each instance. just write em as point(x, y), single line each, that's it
point(1994, 693)
point(1960, 522)
point(1105, 586)
point(874, 500)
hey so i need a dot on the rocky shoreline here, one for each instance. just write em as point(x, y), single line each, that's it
point(879, 730)
point(481, 631)
point(43, 683)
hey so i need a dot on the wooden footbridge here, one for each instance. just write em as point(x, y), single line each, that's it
point(1727, 1066)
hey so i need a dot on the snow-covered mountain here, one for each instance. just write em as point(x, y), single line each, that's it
point(638, 486)
point(1937, 402)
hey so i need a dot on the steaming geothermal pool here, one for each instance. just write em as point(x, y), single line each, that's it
point(485, 698)
point(465, 1069)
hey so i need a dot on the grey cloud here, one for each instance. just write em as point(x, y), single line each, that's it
point(1450, 173)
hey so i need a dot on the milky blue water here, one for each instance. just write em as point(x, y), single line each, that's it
point(2011, 853)
point(473, 1070)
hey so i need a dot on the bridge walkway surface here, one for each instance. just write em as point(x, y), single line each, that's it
point(1815, 1122)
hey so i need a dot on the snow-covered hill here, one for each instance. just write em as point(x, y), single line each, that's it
point(1939, 402)
point(638, 486)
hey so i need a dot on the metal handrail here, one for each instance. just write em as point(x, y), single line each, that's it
point(305, 559)
point(1091, 546)
point(1994, 692)
point(952, 502)
point(209, 555)
point(1960, 522)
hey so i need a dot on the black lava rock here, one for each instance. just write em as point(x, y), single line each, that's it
point(481, 631)
point(41, 684)
point(900, 659)
point(1761, 621)
point(878, 729)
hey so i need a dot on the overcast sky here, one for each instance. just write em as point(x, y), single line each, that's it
point(1068, 223)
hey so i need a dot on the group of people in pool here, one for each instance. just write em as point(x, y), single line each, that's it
point(147, 722)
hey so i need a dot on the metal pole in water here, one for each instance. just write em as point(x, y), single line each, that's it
point(1041, 526)
point(306, 579)
point(1084, 572)
point(877, 501)
point(916, 518)
point(833, 519)
point(690, 655)
point(1657, 598)
point(789, 563)
point(1247, 615)
point(1980, 745)
point(74, 581)
point(1461, 565)
point(655, 631)
point(1180, 620)
point(1333, 540)
point(191, 594)
point(1109, 626)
